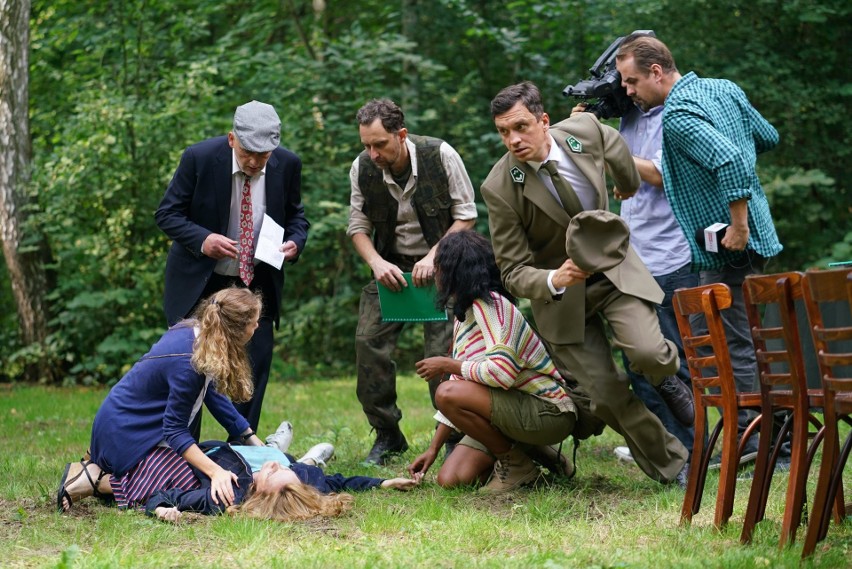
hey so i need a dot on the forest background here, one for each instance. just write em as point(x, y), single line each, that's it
point(116, 90)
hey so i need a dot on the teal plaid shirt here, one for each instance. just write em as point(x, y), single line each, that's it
point(711, 138)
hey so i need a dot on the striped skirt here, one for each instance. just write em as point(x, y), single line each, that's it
point(162, 469)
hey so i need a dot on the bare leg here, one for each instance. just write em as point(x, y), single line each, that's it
point(465, 466)
point(79, 484)
point(468, 406)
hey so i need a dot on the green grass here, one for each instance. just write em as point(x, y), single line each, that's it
point(609, 516)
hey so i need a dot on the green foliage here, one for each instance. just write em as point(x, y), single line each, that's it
point(118, 89)
point(804, 207)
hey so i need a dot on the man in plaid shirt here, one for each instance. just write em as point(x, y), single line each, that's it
point(711, 138)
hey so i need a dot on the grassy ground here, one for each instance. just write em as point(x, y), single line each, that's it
point(610, 515)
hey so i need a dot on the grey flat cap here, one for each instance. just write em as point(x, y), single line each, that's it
point(597, 240)
point(257, 127)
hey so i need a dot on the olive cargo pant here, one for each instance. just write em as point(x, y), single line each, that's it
point(374, 343)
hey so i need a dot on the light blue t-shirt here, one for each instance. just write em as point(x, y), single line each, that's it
point(655, 234)
point(257, 456)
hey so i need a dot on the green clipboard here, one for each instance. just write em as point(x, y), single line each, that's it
point(411, 304)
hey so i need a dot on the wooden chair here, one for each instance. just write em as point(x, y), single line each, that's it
point(712, 386)
point(833, 345)
point(783, 388)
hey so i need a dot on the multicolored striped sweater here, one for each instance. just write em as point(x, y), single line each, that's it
point(498, 348)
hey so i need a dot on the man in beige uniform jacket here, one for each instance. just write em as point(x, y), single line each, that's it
point(528, 229)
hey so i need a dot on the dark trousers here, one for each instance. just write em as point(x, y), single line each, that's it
point(375, 342)
point(259, 349)
point(737, 329)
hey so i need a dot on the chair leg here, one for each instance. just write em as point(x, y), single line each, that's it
point(821, 514)
point(840, 508)
point(697, 470)
point(835, 490)
point(728, 471)
point(762, 478)
point(705, 462)
point(798, 478)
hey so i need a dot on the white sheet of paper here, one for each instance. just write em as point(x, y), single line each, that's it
point(269, 242)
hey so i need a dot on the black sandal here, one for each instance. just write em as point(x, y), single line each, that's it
point(62, 493)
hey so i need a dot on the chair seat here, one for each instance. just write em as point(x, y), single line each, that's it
point(785, 398)
point(843, 403)
point(744, 400)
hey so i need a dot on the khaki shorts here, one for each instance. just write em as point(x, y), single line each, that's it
point(525, 418)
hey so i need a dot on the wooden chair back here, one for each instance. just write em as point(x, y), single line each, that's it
point(709, 363)
point(784, 389)
point(827, 295)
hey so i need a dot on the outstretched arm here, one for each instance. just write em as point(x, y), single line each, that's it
point(422, 463)
point(402, 484)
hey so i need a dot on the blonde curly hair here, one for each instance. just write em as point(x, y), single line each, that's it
point(294, 502)
point(219, 350)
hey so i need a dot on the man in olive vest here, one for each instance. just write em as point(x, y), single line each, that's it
point(408, 191)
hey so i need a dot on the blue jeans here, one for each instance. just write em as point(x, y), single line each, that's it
point(681, 278)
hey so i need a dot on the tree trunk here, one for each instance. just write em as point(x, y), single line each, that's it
point(410, 78)
point(26, 271)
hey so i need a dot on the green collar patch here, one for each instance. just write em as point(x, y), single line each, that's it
point(517, 175)
point(574, 144)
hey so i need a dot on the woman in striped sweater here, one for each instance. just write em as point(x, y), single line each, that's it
point(504, 393)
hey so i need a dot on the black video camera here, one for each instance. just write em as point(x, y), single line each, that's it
point(605, 85)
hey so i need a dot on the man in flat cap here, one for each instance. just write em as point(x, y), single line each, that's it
point(213, 210)
point(553, 177)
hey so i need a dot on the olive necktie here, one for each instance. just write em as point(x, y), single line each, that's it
point(570, 201)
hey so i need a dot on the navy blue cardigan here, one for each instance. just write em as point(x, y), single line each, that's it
point(153, 403)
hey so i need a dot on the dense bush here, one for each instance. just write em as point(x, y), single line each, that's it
point(117, 94)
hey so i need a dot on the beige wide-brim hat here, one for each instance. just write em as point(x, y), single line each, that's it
point(597, 240)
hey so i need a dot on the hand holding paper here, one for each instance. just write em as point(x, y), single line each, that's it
point(269, 243)
point(290, 250)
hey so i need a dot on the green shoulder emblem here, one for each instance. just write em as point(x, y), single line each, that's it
point(517, 175)
point(574, 144)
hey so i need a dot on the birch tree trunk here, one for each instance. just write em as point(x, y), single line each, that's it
point(26, 270)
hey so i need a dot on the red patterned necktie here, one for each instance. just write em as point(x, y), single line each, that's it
point(246, 234)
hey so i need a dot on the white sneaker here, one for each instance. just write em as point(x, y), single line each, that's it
point(319, 454)
point(623, 454)
point(282, 437)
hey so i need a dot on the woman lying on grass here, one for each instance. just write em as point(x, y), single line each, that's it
point(277, 487)
point(505, 393)
point(270, 484)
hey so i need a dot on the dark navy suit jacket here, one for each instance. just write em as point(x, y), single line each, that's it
point(197, 203)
